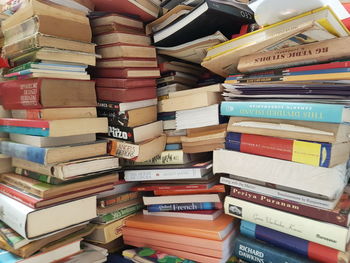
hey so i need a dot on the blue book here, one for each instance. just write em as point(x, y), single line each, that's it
point(320, 71)
point(24, 151)
point(7, 257)
point(331, 113)
point(254, 251)
point(173, 146)
point(181, 207)
point(25, 130)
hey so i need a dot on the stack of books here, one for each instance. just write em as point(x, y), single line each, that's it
point(59, 165)
point(294, 199)
point(5, 161)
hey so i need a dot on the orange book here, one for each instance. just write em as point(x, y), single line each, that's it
point(219, 188)
point(216, 229)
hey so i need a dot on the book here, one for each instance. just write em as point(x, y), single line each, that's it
point(110, 200)
point(130, 118)
point(287, 110)
point(37, 7)
point(177, 77)
point(218, 188)
point(188, 102)
point(120, 187)
point(124, 83)
point(307, 152)
point(326, 234)
point(29, 222)
point(135, 134)
point(174, 65)
point(177, 199)
point(127, 73)
point(118, 206)
point(277, 192)
point(167, 157)
point(211, 88)
point(28, 74)
point(47, 156)
point(291, 243)
point(54, 128)
point(224, 18)
point(38, 141)
point(55, 113)
point(176, 207)
point(223, 58)
point(252, 250)
point(302, 130)
point(59, 55)
point(120, 50)
point(150, 173)
point(127, 63)
point(126, 95)
point(46, 192)
point(118, 214)
point(116, 19)
point(11, 237)
point(141, 152)
point(216, 229)
point(122, 37)
point(324, 51)
point(47, 93)
point(109, 27)
point(5, 162)
point(199, 215)
point(66, 170)
point(145, 10)
point(38, 41)
point(118, 106)
point(325, 183)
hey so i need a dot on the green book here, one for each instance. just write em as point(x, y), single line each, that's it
point(119, 214)
point(12, 237)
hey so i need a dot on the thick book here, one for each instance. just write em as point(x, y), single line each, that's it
point(216, 16)
point(325, 183)
point(66, 170)
point(305, 248)
point(253, 251)
point(126, 95)
point(55, 113)
point(151, 173)
point(127, 63)
point(120, 50)
point(177, 199)
point(124, 83)
point(121, 37)
point(292, 129)
point(140, 152)
point(326, 234)
point(31, 223)
point(216, 229)
point(127, 73)
point(332, 113)
point(324, 51)
point(53, 154)
point(54, 128)
point(307, 152)
point(47, 93)
point(125, 106)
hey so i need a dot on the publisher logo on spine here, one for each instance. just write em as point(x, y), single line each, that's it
point(235, 210)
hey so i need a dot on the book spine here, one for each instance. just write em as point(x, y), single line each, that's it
point(108, 201)
point(119, 214)
point(25, 130)
point(119, 132)
point(37, 176)
point(181, 207)
point(321, 71)
point(22, 67)
point(219, 188)
point(340, 64)
point(287, 111)
point(313, 53)
point(17, 195)
point(123, 149)
point(302, 247)
point(312, 153)
point(22, 185)
point(326, 234)
point(170, 187)
point(331, 216)
point(149, 175)
point(24, 151)
point(114, 117)
point(254, 251)
point(166, 158)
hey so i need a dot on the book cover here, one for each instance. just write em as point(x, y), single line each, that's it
point(124, 83)
point(126, 95)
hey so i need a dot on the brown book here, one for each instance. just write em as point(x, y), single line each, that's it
point(55, 113)
point(39, 7)
point(97, 30)
point(47, 25)
point(203, 146)
point(49, 191)
point(122, 37)
point(204, 131)
point(302, 130)
point(118, 206)
point(39, 40)
point(5, 164)
point(173, 139)
point(117, 19)
point(127, 63)
point(127, 73)
point(323, 51)
point(119, 50)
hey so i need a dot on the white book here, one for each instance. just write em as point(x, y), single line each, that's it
point(326, 183)
point(323, 233)
point(186, 214)
point(34, 223)
point(177, 199)
point(117, 189)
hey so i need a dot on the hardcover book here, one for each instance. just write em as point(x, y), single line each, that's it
point(124, 83)
point(127, 73)
point(120, 50)
point(126, 95)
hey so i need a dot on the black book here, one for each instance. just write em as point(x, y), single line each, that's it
point(204, 20)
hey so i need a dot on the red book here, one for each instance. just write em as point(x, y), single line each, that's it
point(127, 73)
point(339, 215)
point(219, 188)
point(24, 123)
point(126, 7)
point(24, 198)
point(337, 64)
point(127, 63)
point(126, 95)
point(160, 187)
point(124, 83)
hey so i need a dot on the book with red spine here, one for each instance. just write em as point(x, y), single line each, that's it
point(170, 187)
point(339, 215)
point(124, 73)
point(126, 95)
point(127, 63)
point(24, 123)
point(331, 65)
point(22, 197)
point(219, 188)
point(124, 83)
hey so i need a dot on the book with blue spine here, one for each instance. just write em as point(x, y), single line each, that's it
point(8, 257)
point(183, 207)
point(254, 251)
point(331, 113)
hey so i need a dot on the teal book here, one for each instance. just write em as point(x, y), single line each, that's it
point(315, 112)
point(8, 257)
